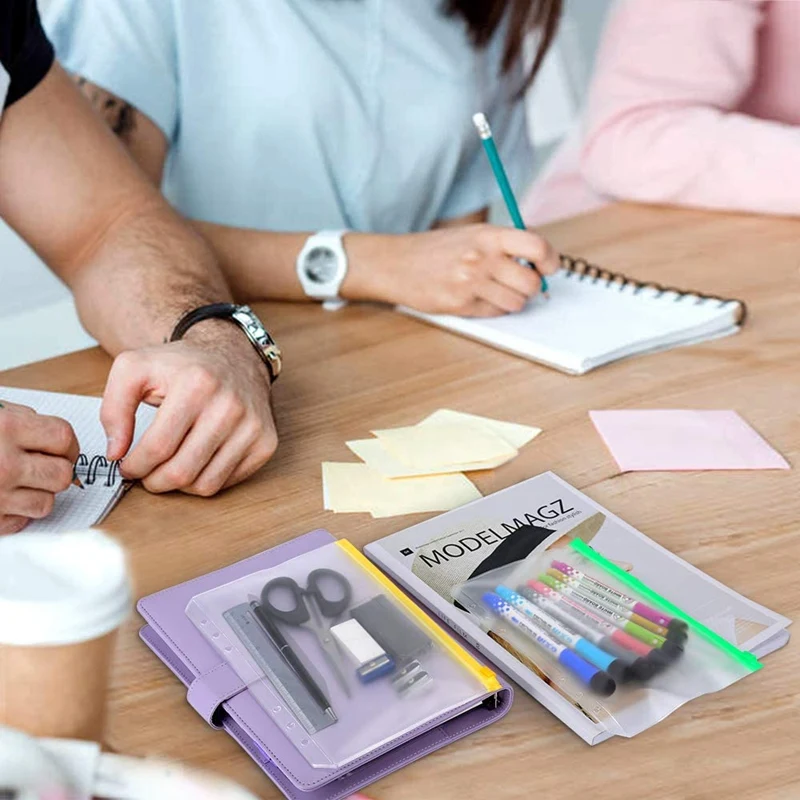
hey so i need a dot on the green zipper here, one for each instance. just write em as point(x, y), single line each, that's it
point(746, 659)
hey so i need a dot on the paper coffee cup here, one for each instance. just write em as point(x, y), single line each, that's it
point(62, 598)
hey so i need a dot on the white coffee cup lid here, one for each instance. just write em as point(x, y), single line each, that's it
point(61, 588)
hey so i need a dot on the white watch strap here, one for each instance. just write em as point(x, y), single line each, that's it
point(332, 240)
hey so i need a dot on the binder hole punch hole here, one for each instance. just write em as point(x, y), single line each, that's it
point(215, 635)
point(276, 710)
point(304, 743)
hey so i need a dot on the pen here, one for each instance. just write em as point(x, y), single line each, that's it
point(572, 613)
point(594, 678)
point(292, 659)
point(643, 610)
point(611, 603)
point(636, 656)
point(485, 132)
point(619, 617)
point(614, 666)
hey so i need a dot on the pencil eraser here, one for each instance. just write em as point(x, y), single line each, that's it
point(369, 658)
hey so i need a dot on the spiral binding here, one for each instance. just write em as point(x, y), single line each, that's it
point(583, 269)
point(98, 466)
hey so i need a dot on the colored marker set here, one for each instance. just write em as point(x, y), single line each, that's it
point(599, 635)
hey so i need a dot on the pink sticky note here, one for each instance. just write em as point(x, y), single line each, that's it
point(673, 439)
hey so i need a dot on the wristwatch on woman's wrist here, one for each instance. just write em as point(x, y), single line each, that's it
point(322, 265)
point(251, 326)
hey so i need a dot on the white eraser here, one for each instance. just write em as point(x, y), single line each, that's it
point(355, 640)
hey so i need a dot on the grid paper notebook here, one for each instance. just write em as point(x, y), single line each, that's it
point(76, 509)
point(595, 317)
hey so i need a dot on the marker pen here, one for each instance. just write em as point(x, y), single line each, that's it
point(615, 667)
point(643, 661)
point(596, 679)
point(605, 599)
point(622, 620)
point(584, 614)
point(643, 610)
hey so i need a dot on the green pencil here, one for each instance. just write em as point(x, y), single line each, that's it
point(485, 132)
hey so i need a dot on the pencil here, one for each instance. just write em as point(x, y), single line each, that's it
point(76, 481)
point(485, 132)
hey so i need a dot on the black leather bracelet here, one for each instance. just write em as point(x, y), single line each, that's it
point(247, 321)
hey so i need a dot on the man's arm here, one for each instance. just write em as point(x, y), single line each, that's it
point(70, 190)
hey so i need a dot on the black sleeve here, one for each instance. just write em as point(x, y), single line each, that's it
point(25, 52)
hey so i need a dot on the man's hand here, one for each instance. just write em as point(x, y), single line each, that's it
point(214, 425)
point(37, 457)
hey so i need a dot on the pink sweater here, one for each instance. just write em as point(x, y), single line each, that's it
point(694, 102)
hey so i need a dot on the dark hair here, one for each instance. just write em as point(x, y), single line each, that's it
point(483, 17)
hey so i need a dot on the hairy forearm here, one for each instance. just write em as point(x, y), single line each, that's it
point(141, 276)
point(71, 191)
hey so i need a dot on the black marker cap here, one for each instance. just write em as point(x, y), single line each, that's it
point(603, 684)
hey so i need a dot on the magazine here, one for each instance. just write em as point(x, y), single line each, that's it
point(434, 558)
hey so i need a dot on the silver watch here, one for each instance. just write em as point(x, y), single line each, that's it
point(251, 326)
point(322, 265)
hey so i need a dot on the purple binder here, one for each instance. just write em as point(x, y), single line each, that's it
point(219, 695)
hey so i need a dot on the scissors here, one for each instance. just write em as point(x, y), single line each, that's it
point(312, 608)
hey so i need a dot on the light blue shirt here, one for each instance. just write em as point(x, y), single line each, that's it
point(296, 115)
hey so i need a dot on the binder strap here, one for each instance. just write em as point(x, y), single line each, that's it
point(584, 270)
point(208, 692)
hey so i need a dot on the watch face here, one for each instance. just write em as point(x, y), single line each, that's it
point(321, 265)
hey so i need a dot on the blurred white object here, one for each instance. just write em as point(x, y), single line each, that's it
point(33, 767)
point(27, 769)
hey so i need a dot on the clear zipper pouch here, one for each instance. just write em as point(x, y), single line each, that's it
point(345, 665)
point(624, 654)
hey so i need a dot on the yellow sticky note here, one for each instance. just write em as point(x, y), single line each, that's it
point(377, 457)
point(438, 444)
point(356, 487)
point(514, 433)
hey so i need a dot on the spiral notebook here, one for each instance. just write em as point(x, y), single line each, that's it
point(595, 316)
point(76, 508)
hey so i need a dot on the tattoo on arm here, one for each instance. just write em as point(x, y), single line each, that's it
point(118, 115)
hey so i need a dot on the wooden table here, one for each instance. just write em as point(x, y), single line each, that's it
point(369, 368)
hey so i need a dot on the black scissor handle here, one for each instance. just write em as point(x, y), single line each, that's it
point(331, 608)
point(298, 613)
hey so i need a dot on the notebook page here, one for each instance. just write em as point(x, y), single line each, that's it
point(586, 322)
point(78, 508)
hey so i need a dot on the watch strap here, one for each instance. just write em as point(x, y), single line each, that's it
point(243, 317)
point(333, 240)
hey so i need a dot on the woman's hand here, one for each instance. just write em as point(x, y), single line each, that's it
point(467, 271)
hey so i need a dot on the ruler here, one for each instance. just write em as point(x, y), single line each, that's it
point(284, 679)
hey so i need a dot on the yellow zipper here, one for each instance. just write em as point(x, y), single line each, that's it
point(485, 676)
